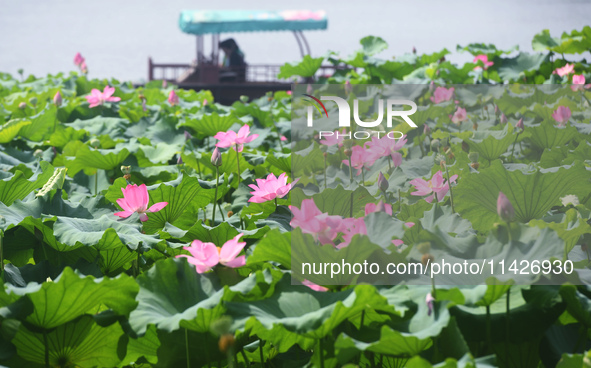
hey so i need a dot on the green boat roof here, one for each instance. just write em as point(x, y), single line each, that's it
point(201, 22)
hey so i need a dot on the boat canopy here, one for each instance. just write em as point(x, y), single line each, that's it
point(200, 22)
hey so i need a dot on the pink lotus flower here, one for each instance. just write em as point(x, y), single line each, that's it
point(484, 60)
point(78, 59)
point(283, 138)
point(173, 98)
point(579, 83)
point(561, 115)
point(565, 70)
point(83, 67)
point(270, 188)
point(505, 209)
point(288, 92)
point(97, 97)
point(386, 147)
point(351, 227)
point(231, 139)
point(205, 256)
point(337, 138)
point(135, 199)
point(437, 185)
point(441, 95)
point(361, 157)
point(372, 207)
point(204, 103)
point(459, 116)
point(312, 221)
point(314, 286)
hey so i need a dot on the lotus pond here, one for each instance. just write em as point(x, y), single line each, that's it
point(153, 227)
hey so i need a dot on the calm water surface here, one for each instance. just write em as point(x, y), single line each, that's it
point(117, 37)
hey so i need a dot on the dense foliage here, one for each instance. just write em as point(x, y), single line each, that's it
point(83, 287)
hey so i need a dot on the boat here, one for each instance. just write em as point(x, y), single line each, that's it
point(253, 80)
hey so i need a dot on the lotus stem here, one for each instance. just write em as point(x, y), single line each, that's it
point(325, 183)
point(46, 348)
point(199, 169)
point(399, 201)
point(276, 205)
point(363, 175)
point(246, 361)
point(215, 198)
point(513, 150)
point(261, 353)
point(238, 163)
point(221, 212)
point(507, 325)
point(488, 328)
point(187, 347)
point(96, 183)
point(451, 193)
point(321, 351)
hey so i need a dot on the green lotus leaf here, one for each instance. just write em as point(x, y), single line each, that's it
point(70, 296)
point(492, 144)
point(209, 125)
point(41, 125)
point(80, 342)
point(18, 187)
point(274, 247)
point(90, 160)
point(98, 125)
point(11, 129)
point(531, 194)
point(514, 68)
point(305, 68)
point(548, 136)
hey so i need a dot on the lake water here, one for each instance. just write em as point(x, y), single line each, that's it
point(117, 36)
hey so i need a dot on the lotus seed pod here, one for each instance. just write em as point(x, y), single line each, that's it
point(57, 99)
point(475, 126)
point(426, 259)
point(348, 88)
point(244, 98)
point(424, 247)
point(445, 142)
point(38, 153)
point(230, 213)
point(126, 170)
point(475, 165)
point(435, 144)
point(382, 182)
point(216, 158)
point(33, 101)
point(226, 342)
point(95, 143)
point(22, 105)
point(465, 147)
point(438, 158)
point(473, 156)
point(348, 152)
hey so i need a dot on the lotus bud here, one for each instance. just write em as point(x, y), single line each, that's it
point(348, 88)
point(520, 125)
point(414, 50)
point(33, 101)
point(426, 129)
point(216, 158)
point(204, 103)
point(473, 156)
point(244, 98)
point(435, 144)
point(432, 86)
point(496, 109)
point(173, 98)
point(38, 153)
point(505, 209)
point(126, 170)
point(22, 105)
point(95, 143)
point(427, 259)
point(382, 182)
point(429, 300)
point(57, 99)
point(381, 207)
point(424, 247)
point(179, 160)
point(188, 136)
point(144, 107)
point(503, 119)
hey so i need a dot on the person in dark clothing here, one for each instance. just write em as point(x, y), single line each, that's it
point(234, 67)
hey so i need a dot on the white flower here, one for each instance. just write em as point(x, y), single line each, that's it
point(570, 199)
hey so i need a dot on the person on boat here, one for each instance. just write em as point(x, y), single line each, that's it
point(234, 66)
